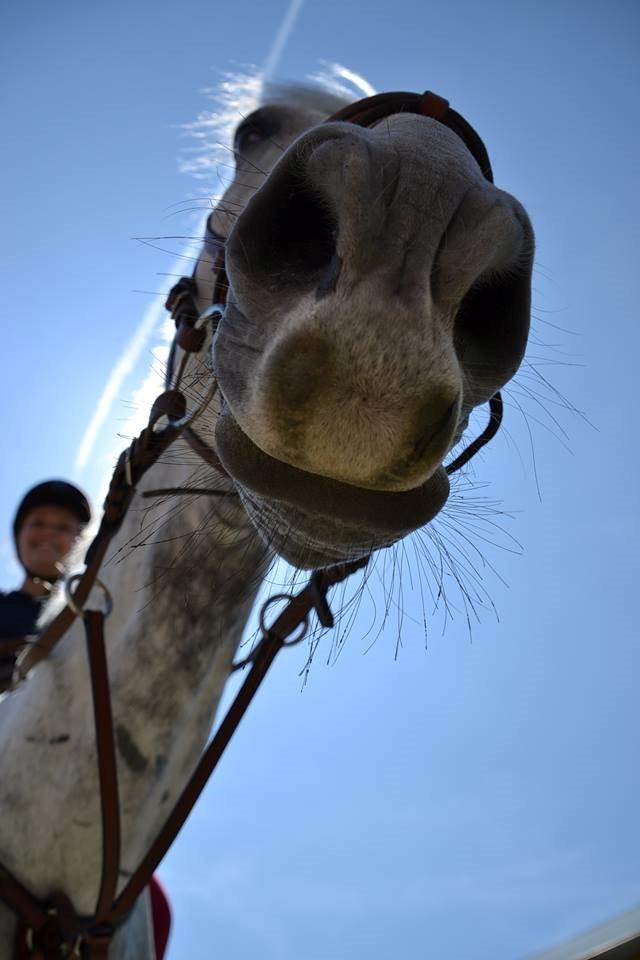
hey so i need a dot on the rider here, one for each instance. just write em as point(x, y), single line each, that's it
point(47, 523)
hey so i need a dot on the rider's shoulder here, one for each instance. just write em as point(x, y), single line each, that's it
point(16, 598)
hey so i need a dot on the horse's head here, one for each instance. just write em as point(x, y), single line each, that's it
point(379, 290)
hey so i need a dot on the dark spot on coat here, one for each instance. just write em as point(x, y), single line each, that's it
point(63, 738)
point(134, 759)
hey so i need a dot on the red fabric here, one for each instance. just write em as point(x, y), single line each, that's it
point(161, 916)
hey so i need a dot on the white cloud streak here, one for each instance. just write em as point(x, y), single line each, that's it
point(119, 373)
point(281, 38)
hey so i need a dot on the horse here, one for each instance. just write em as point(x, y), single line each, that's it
point(378, 292)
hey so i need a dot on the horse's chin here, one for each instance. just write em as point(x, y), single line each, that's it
point(312, 521)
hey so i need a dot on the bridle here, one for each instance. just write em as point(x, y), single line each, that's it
point(53, 929)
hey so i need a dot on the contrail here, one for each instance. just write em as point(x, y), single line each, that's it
point(155, 311)
point(120, 371)
point(283, 34)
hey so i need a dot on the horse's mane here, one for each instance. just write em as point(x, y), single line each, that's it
point(238, 94)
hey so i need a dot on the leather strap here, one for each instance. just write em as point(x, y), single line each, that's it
point(108, 775)
point(21, 901)
point(371, 110)
point(496, 408)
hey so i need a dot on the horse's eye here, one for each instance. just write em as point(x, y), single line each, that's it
point(247, 136)
point(254, 130)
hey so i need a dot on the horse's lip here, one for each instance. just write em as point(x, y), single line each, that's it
point(378, 512)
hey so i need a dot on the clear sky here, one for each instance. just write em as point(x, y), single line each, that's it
point(477, 799)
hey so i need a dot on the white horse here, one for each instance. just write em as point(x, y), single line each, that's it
point(379, 291)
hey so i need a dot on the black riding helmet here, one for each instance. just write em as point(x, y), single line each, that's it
point(56, 493)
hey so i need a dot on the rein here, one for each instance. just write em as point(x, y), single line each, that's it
point(52, 930)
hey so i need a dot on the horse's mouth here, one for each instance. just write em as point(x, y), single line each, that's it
point(313, 521)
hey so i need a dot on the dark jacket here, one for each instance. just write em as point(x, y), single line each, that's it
point(19, 613)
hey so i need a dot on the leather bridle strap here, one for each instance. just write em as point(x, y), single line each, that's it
point(496, 408)
point(372, 110)
point(182, 303)
point(21, 901)
point(108, 775)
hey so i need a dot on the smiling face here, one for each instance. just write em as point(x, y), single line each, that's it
point(45, 540)
point(379, 290)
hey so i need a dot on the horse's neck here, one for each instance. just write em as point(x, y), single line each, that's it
point(183, 575)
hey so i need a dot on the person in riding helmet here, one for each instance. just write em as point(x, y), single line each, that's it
point(49, 519)
point(47, 523)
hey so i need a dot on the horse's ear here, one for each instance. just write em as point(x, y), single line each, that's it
point(491, 330)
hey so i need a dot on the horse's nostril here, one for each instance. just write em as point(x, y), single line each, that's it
point(287, 231)
point(435, 429)
point(306, 238)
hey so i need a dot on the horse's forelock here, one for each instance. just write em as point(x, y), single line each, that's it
point(305, 95)
point(238, 94)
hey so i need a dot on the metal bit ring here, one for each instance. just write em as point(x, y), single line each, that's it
point(212, 313)
point(286, 641)
point(79, 612)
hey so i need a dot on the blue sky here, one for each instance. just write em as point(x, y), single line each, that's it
point(476, 800)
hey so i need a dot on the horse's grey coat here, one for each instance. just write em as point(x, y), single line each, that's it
point(380, 289)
